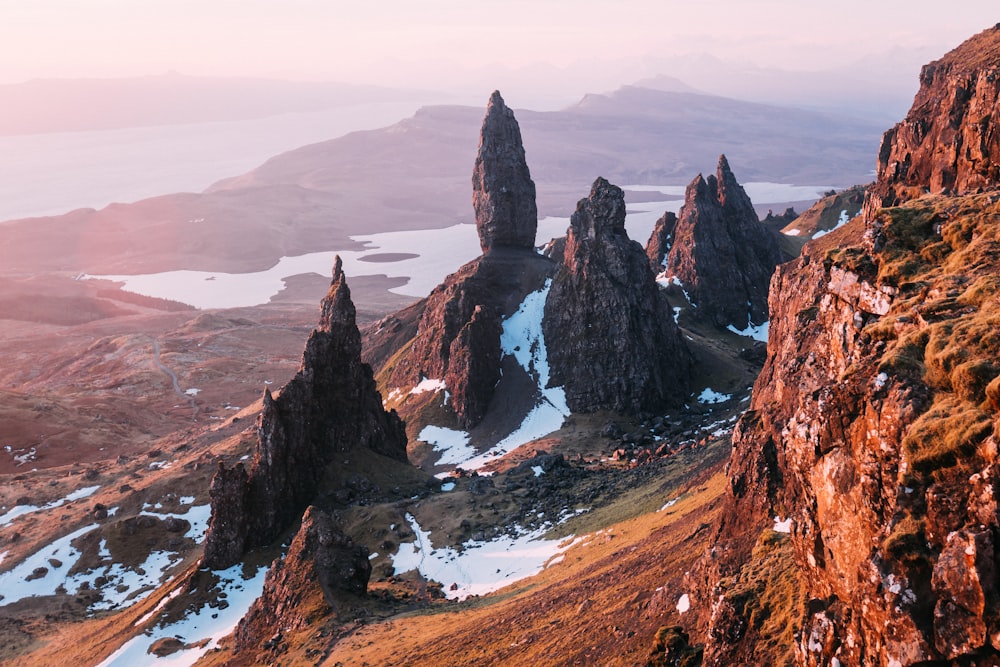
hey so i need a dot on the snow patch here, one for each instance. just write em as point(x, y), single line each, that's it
point(448, 486)
point(708, 395)
point(428, 384)
point(669, 504)
point(792, 232)
point(193, 391)
point(841, 221)
point(683, 604)
point(782, 526)
point(755, 332)
point(204, 626)
point(21, 510)
point(479, 567)
point(453, 445)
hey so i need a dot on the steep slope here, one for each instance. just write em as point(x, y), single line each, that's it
point(870, 437)
point(330, 407)
point(612, 341)
point(718, 250)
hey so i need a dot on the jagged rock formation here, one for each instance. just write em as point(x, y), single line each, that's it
point(949, 141)
point(503, 193)
point(319, 553)
point(660, 241)
point(872, 426)
point(719, 250)
point(457, 337)
point(611, 338)
point(330, 406)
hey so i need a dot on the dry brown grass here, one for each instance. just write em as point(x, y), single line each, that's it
point(600, 605)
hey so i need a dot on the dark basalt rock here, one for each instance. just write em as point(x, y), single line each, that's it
point(458, 335)
point(720, 251)
point(319, 553)
point(457, 338)
point(660, 241)
point(330, 406)
point(503, 193)
point(610, 335)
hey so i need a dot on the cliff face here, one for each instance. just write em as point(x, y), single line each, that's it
point(871, 433)
point(330, 406)
point(457, 338)
point(719, 250)
point(611, 337)
point(950, 139)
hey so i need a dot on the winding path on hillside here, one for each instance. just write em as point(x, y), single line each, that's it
point(173, 379)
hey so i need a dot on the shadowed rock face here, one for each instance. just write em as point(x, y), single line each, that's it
point(330, 406)
point(458, 336)
point(660, 241)
point(503, 193)
point(611, 338)
point(719, 249)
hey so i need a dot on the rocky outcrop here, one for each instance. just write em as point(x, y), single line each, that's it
point(331, 406)
point(457, 338)
point(319, 554)
point(611, 338)
point(719, 251)
point(660, 241)
point(503, 193)
point(950, 139)
point(871, 432)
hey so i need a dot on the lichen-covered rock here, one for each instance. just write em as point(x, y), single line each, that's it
point(719, 250)
point(503, 193)
point(331, 406)
point(611, 338)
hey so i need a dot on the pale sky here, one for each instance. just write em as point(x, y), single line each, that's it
point(440, 43)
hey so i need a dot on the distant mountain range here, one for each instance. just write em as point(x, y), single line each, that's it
point(412, 175)
point(71, 105)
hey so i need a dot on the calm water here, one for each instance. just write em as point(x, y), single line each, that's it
point(49, 174)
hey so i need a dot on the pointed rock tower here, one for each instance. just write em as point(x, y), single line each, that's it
point(331, 406)
point(611, 338)
point(720, 251)
point(503, 193)
point(456, 340)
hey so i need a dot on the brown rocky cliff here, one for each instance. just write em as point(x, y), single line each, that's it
point(330, 406)
point(611, 338)
point(871, 428)
point(719, 250)
point(950, 139)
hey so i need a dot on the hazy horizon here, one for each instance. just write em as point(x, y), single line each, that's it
point(542, 54)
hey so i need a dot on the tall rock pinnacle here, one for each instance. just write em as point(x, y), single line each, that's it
point(719, 250)
point(612, 342)
point(331, 406)
point(503, 193)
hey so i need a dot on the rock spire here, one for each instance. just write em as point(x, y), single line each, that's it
point(503, 193)
point(611, 338)
point(330, 406)
point(719, 250)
